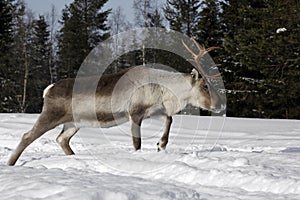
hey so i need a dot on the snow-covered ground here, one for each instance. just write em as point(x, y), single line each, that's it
point(248, 159)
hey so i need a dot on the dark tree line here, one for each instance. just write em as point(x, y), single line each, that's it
point(258, 54)
point(261, 57)
point(25, 54)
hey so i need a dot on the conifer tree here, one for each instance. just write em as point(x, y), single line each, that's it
point(6, 38)
point(262, 61)
point(83, 27)
point(39, 74)
point(278, 52)
point(183, 16)
point(232, 21)
point(6, 24)
point(209, 27)
point(155, 19)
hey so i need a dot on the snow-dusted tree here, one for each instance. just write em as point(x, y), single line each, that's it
point(117, 23)
point(263, 62)
point(148, 13)
point(52, 21)
point(141, 8)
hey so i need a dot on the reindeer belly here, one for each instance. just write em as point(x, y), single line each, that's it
point(107, 120)
point(102, 113)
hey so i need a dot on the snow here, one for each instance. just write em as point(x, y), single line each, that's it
point(248, 159)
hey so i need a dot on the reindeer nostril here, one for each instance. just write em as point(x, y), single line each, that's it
point(218, 109)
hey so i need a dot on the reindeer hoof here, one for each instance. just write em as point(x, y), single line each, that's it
point(160, 147)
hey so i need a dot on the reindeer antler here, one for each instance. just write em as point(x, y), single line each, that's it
point(197, 57)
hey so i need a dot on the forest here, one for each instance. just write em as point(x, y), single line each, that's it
point(258, 54)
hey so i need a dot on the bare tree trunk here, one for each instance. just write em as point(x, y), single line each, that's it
point(145, 15)
point(50, 65)
point(86, 23)
point(51, 53)
point(26, 72)
point(117, 38)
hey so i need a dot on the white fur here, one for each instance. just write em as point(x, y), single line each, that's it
point(148, 86)
point(47, 89)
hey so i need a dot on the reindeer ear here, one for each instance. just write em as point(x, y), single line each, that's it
point(195, 74)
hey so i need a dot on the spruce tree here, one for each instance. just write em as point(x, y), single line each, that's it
point(209, 27)
point(83, 27)
point(279, 53)
point(6, 38)
point(183, 16)
point(155, 19)
point(237, 90)
point(39, 74)
point(6, 23)
point(261, 56)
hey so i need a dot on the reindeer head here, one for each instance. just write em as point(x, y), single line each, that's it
point(204, 93)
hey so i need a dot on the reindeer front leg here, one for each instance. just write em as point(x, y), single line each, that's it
point(136, 122)
point(161, 145)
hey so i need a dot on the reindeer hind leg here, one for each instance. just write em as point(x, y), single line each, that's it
point(63, 139)
point(44, 123)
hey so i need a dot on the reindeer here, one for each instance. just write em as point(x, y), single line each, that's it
point(130, 95)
